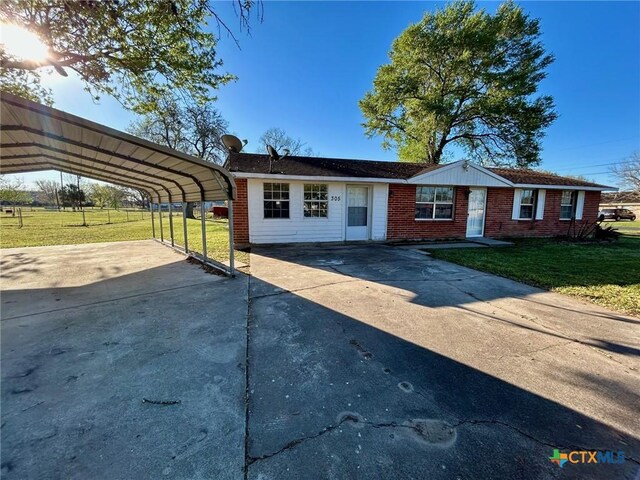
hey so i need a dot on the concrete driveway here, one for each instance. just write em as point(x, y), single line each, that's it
point(120, 360)
point(124, 361)
point(381, 362)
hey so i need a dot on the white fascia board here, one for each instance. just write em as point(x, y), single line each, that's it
point(316, 178)
point(565, 187)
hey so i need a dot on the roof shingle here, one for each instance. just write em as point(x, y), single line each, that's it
point(532, 177)
point(336, 167)
point(325, 167)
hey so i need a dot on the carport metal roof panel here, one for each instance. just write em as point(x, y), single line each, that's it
point(35, 137)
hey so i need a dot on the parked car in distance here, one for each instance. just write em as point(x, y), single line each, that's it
point(617, 214)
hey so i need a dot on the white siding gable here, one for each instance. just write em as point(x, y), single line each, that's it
point(461, 173)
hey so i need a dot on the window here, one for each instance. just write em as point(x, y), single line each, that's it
point(276, 200)
point(315, 200)
point(527, 201)
point(434, 203)
point(567, 205)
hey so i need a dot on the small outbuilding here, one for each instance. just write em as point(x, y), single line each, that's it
point(308, 199)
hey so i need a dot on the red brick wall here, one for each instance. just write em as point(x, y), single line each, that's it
point(241, 214)
point(500, 208)
point(402, 224)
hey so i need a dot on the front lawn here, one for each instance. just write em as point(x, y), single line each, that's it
point(605, 273)
point(47, 227)
point(625, 226)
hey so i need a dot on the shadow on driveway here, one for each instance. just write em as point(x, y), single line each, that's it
point(373, 362)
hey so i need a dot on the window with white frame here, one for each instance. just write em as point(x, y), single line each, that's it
point(276, 200)
point(527, 203)
point(434, 203)
point(316, 200)
point(567, 205)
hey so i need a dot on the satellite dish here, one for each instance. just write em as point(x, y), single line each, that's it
point(233, 143)
point(273, 153)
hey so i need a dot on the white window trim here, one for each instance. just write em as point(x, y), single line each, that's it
point(574, 201)
point(538, 204)
point(311, 219)
point(264, 217)
point(435, 202)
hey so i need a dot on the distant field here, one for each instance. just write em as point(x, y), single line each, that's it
point(50, 227)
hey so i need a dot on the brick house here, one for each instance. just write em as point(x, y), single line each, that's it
point(308, 199)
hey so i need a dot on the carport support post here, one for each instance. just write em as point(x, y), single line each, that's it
point(160, 220)
point(184, 226)
point(171, 223)
point(231, 250)
point(204, 231)
point(153, 223)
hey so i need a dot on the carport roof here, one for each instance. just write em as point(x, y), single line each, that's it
point(36, 137)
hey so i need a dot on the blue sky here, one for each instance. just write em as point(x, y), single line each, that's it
point(305, 67)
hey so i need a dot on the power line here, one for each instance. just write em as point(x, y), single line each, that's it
point(598, 143)
point(596, 165)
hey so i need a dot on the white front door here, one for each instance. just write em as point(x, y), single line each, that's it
point(475, 217)
point(357, 213)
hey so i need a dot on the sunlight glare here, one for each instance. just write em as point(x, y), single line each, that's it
point(20, 43)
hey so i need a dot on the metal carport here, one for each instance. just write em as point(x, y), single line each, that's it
point(35, 137)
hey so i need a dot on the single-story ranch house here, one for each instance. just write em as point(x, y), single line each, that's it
point(309, 199)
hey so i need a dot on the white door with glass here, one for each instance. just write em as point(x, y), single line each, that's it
point(477, 206)
point(357, 213)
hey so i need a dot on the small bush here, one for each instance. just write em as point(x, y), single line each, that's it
point(605, 233)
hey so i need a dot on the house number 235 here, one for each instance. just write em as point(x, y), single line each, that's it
point(335, 198)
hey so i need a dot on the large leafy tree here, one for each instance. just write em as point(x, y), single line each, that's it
point(190, 127)
point(464, 77)
point(73, 195)
point(136, 50)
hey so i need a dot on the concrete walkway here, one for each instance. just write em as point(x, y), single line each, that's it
point(120, 360)
point(380, 362)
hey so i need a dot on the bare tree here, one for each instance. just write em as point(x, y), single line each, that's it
point(628, 172)
point(189, 127)
point(278, 139)
point(135, 197)
point(49, 189)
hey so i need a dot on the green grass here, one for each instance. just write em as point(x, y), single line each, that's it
point(605, 273)
point(46, 227)
point(626, 227)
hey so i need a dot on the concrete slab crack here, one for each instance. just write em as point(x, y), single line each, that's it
point(531, 437)
point(285, 291)
point(297, 441)
point(346, 419)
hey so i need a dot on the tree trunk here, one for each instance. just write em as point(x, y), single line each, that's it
point(189, 210)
